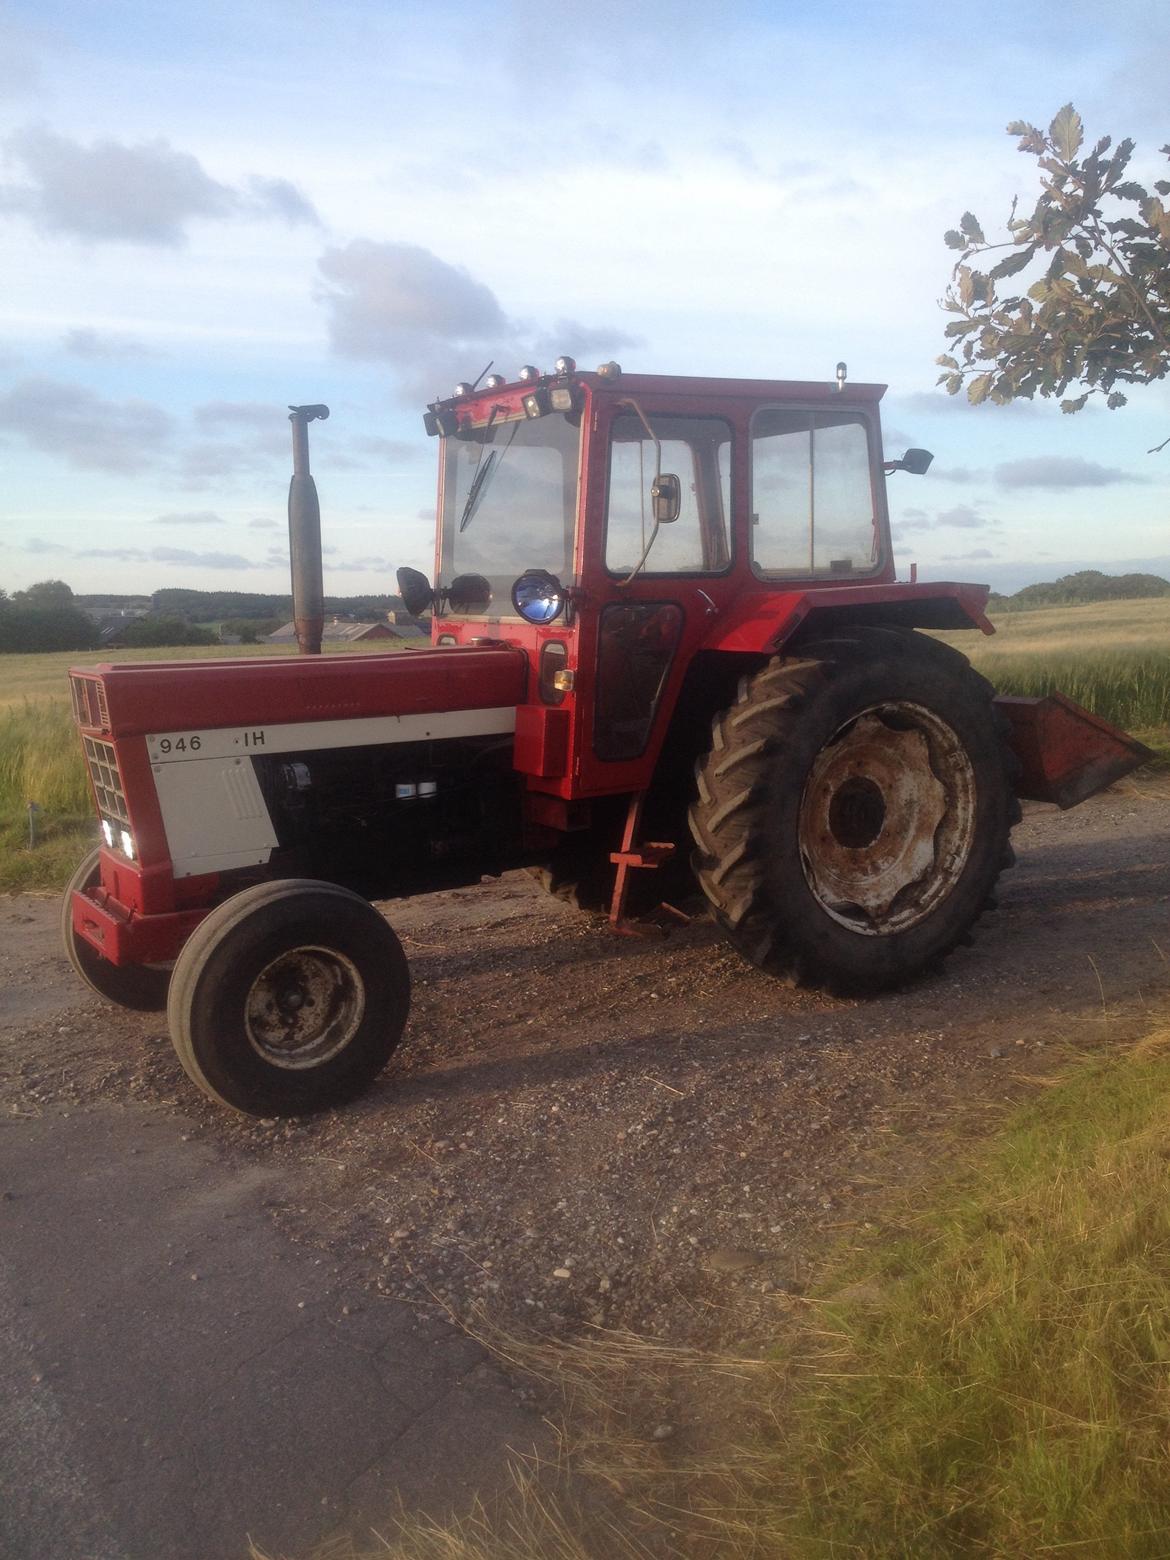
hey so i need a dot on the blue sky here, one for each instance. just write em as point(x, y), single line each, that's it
point(209, 212)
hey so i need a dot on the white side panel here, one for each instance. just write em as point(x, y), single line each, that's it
point(214, 815)
point(212, 806)
point(179, 747)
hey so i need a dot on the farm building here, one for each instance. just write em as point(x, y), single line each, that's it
point(352, 633)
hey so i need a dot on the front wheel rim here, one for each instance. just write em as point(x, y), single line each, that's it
point(304, 1007)
point(887, 818)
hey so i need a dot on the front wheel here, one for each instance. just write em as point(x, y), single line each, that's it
point(140, 987)
point(853, 814)
point(289, 998)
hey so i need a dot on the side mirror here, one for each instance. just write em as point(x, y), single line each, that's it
point(916, 462)
point(415, 590)
point(666, 498)
point(469, 593)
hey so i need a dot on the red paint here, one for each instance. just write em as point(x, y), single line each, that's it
point(1066, 754)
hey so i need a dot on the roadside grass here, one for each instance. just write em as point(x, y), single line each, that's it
point(988, 1374)
point(997, 1380)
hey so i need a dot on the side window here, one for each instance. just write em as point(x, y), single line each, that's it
point(698, 451)
point(812, 494)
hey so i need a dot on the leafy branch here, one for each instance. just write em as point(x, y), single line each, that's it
point(1099, 314)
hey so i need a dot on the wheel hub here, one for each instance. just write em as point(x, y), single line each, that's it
point(304, 1007)
point(887, 818)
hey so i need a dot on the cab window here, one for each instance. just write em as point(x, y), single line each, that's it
point(812, 494)
point(698, 451)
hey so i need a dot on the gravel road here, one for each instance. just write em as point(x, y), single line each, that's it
point(639, 1132)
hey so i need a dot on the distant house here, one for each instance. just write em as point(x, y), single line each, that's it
point(339, 630)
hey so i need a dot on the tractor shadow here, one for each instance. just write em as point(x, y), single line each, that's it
point(1078, 930)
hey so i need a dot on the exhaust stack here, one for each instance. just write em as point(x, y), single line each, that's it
point(304, 535)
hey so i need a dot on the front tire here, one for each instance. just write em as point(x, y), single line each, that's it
point(140, 987)
point(854, 811)
point(289, 998)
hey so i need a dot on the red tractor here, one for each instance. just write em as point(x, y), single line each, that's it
point(666, 634)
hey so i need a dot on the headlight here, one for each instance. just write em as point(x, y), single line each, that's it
point(538, 596)
point(108, 832)
point(127, 844)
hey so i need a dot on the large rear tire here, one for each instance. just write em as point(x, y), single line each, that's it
point(289, 998)
point(854, 811)
point(140, 987)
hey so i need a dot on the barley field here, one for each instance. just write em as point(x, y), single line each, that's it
point(1112, 657)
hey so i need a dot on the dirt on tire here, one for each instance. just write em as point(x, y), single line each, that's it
point(646, 1132)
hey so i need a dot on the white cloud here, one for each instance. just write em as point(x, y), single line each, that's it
point(401, 302)
point(147, 193)
point(1057, 472)
point(85, 342)
point(175, 557)
point(83, 428)
point(190, 517)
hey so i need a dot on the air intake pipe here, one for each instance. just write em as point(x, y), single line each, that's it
point(304, 535)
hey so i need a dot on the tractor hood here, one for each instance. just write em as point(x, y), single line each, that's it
point(138, 698)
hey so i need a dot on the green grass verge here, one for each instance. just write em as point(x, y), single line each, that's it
point(998, 1380)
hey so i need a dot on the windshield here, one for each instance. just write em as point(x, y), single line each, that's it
point(510, 501)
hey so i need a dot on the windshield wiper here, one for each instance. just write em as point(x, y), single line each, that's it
point(483, 471)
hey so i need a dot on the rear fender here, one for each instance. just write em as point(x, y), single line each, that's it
point(1065, 753)
point(765, 620)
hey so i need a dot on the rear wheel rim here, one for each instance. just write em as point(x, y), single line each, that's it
point(887, 818)
point(304, 1008)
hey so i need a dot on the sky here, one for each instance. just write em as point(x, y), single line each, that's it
point(210, 212)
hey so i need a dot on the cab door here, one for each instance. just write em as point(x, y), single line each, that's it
point(658, 585)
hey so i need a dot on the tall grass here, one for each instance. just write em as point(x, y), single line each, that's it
point(1131, 690)
point(1112, 657)
point(999, 1384)
point(40, 758)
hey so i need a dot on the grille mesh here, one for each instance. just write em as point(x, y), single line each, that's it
point(89, 703)
point(107, 782)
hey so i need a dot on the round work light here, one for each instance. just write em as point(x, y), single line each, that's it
point(538, 596)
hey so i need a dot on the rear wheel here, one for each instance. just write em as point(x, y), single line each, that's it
point(854, 811)
point(289, 998)
point(142, 987)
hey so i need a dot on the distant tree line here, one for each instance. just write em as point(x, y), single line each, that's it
point(48, 616)
point(1085, 585)
point(214, 606)
point(44, 617)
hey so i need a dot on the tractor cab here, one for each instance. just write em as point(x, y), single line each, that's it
point(618, 526)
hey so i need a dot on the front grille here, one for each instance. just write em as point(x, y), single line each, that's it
point(89, 703)
point(107, 782)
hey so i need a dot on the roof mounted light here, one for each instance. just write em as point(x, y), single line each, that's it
point(610, 370)
point(566, 365)
point(528, 373)
point(536, 402)
point(440, 420)
point(494, 382)
point(463, 388)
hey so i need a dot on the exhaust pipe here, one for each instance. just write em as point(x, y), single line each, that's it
point(304, 535)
